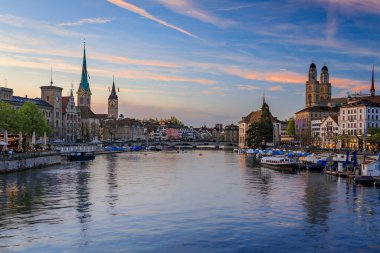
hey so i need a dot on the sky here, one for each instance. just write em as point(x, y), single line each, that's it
point(203, 61)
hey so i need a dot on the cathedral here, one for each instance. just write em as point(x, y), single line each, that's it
point(318, 93)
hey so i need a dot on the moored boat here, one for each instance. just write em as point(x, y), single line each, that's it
point(283, 164)
point(364, 180)
point(81, 156)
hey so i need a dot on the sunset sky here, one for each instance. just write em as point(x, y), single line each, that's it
point(204, 61)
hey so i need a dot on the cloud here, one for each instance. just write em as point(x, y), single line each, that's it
point(143, 13)
point(248, 87)
point(87, 21)
point(276, 88)
point(21, 22)
point(187, 8)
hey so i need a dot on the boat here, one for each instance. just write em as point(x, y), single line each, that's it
point(81, 156)
point(319, 166)
point(283, 164)
point(364, 180)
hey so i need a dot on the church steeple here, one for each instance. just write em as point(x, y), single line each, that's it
point(373, 82)
point(84, 92)
point(113, 102)
point(113, 94)
point(84, 79)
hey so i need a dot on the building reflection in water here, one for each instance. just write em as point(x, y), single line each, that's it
point(83, 176)
point(317, 202)
point(112, 180)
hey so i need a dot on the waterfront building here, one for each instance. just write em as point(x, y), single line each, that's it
point(231, 134)
point(316, 132)
point(255, 116)
point(113, 103)
point(53, 95)
point(187, 133)
point(355, 118)
point(173, 134)
point(123, 130)
point(319, 105)
point(329, 130)
point(71, 119)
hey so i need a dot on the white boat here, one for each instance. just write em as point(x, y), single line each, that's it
point(283, 164)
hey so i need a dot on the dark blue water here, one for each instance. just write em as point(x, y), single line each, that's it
point(170, 202)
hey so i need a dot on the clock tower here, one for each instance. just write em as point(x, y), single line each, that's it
point(113, 103)
point(84, 92)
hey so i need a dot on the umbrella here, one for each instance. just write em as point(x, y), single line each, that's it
point(45, 142)
point(20, 141)
point(33, 139)
point(347, 156)
point(6, 139)
point(355, 162)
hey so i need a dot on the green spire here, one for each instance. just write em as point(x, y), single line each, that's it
point(84, 80)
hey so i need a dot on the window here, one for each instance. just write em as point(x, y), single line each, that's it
point(47, 98)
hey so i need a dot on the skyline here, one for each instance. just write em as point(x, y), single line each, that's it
point(196, 60)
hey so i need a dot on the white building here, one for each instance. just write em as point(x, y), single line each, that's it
point(329, 131)
point(355, 118)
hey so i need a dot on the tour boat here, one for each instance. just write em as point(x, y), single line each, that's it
point(283, 164)
point(81, 156)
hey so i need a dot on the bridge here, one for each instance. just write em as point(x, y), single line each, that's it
point(175, 144)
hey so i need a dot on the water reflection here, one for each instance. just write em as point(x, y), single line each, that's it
point(317, 199)
point(83, 194)
point(112, 180)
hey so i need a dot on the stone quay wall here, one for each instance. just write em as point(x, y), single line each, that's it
point(18, 162)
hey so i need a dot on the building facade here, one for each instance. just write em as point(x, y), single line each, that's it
point(329, 130)
point(231, 134)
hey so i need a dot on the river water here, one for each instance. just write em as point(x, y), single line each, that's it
point(183, 202)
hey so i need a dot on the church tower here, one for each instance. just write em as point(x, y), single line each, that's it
point(84, 92)
point(113, 103)
point(312, 88)
point(325, 87)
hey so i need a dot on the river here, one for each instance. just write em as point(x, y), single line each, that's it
point(183, 202)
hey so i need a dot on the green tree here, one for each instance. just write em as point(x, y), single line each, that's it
point(373, 136)
point(8, 118)
point(174, 122)
point(32, 120)
point(254, 139)
point(291, 129)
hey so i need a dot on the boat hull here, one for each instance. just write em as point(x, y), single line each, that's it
point(365, 180)
point(288, 168)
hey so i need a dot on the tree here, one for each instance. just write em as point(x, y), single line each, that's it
point(31, 120)
point(174, 122)
point(291, 129)
point(254, 139)
point(373, 136)
point(8, 118)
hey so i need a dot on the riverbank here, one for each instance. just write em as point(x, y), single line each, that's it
point(29, 160)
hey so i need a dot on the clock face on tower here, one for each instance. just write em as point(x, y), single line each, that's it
point(112, 103)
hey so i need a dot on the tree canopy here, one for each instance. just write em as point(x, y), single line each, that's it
point(261, 132)
point(31, 119)
point(8, 118)
point(291, 128)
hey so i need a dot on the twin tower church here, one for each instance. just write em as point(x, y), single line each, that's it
point(84, 92)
